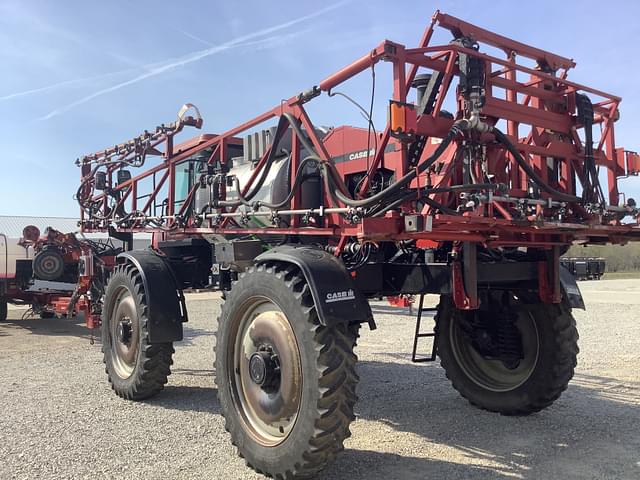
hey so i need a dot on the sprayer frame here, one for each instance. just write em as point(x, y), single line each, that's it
point(524, 102)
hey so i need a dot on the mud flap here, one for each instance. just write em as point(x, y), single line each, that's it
point(165, 301)
point(570, 290)
point(334, 293)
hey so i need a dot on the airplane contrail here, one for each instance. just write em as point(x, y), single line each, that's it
point(194, 37)
point(194, 57)
point(73, 81)
point(64, 84)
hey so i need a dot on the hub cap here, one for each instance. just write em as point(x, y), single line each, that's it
point(264, 369)
point(124, 332)
point(267, 376)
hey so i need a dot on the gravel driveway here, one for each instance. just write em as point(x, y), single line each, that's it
point(60, 419)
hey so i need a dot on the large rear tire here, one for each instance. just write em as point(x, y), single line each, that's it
point(549, 342)
point(286, 384)
point(136, 368)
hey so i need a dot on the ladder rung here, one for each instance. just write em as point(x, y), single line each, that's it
point(422, 359)
point(414, 354)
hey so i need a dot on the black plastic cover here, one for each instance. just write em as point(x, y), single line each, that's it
point(165, 302)
point(570, 289)
point(334, 293)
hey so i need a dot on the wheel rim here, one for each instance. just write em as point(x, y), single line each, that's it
point(493, 374)
point(124, 333)
point(266, 378)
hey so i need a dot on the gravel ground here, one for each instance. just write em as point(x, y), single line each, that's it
point(61, 420)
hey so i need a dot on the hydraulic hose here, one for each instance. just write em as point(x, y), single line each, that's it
point(299, 179)
point(405, 180)
point(413, 195)
point(432, 203)
point(335, 181)
point(339, 193)
point(503, 139)
point(280, 129)
point(467, 187)
point(246, 199)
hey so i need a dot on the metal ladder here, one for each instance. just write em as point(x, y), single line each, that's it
point(419, 334)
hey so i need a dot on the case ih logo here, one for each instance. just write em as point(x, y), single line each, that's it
point(361, 154)
point(340, 296)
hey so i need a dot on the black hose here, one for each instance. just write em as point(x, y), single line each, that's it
point(299, 179)
point(382, 209)
point(457, 127)
point(246, 199)
point(409, 176)
point(439, 206)
point(413, 195)
point(467, 187)
point(502, 138)
point(338, 192)
point(280, 129)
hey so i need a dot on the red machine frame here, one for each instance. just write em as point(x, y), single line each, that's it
point(543, 103)
point(537, 146)
point(444, 204)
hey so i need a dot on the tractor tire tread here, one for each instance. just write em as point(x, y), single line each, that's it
point(336, 380)
point(154, 365)
point(564, 362)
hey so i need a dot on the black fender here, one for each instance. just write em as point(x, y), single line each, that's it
point(335, 295)
point(570, 289)
point(165, 301)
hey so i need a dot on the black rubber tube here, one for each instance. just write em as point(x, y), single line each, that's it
point(503, 139)
point(457, 127)
point(280, 129)
point(245, 200)
point(467, 187)
point(413, 195)
point(299, 179)
point(434, 204)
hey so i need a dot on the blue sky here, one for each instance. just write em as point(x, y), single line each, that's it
point(78, 76)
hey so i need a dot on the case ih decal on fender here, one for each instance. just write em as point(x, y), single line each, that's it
point(340, 296)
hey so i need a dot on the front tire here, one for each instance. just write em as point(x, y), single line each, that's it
point(136, 368)
point(286, 384)
point(549, 348)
